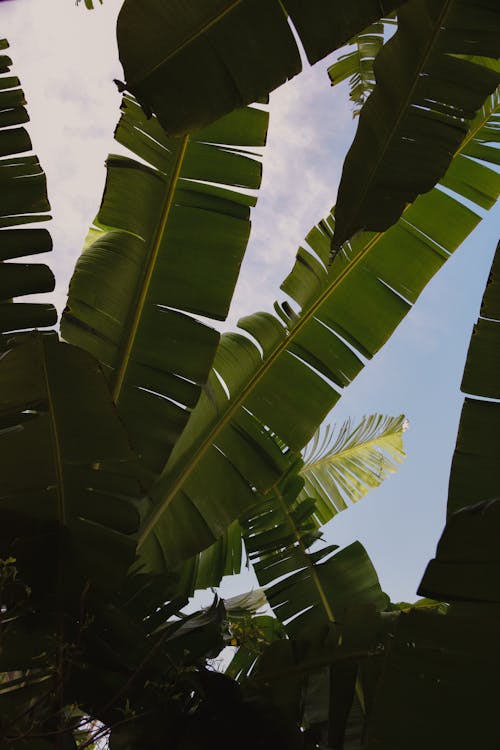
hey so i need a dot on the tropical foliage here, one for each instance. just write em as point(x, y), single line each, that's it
point(141, 451)
point(357, 65)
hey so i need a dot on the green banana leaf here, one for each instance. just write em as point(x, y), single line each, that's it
point(331, 606)
point(305, 589)
point(417, 116)
point(169, 240)
point(23, 200)
point(342, 466)
point(57, 421)
point(292, 525)
point(475, 469)
point(357, 65)
point(243, 48)
point(467, 558)
point(434, 664)
point(346, 313)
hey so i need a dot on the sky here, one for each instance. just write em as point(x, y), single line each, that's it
point(66, 59)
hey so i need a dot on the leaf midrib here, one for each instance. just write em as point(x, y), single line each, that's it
point(314, 575)
point(56, 445)
point(153, 257)
point(140, 78)
point(260, 373)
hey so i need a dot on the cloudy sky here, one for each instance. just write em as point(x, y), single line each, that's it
point(66, 58)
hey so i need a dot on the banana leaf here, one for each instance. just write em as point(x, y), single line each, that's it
point(23, 200)
point(243, 49)
point(78, 487)
point(417, 116)
point(475, 470)
point(166, 248)
point(285, 386)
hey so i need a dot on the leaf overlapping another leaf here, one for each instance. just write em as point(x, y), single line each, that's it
point(417, 116)
point(245, 49)
point(170, 240)
point(357, 64)
point(289, 383)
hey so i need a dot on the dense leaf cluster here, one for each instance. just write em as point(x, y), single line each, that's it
point(141, 448)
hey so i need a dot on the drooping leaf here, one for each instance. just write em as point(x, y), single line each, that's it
point(341, 466)
point(475, 469)
point(169, 242)
point(23, 200)
point(245, 49)
point(417, 116)
point(226, 454)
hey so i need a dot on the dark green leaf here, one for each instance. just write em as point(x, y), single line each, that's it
point(243, 49)
point(23, 199)
point(417, 117)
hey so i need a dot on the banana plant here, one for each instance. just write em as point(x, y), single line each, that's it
point(413, 664)
point(217, 429)
point(316, 351)
point(414, 121)
point(334, 613)
point(226, 438)
point(166, 247)
point(466, 177)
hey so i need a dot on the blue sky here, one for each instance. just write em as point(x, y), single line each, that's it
point(66, 59)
